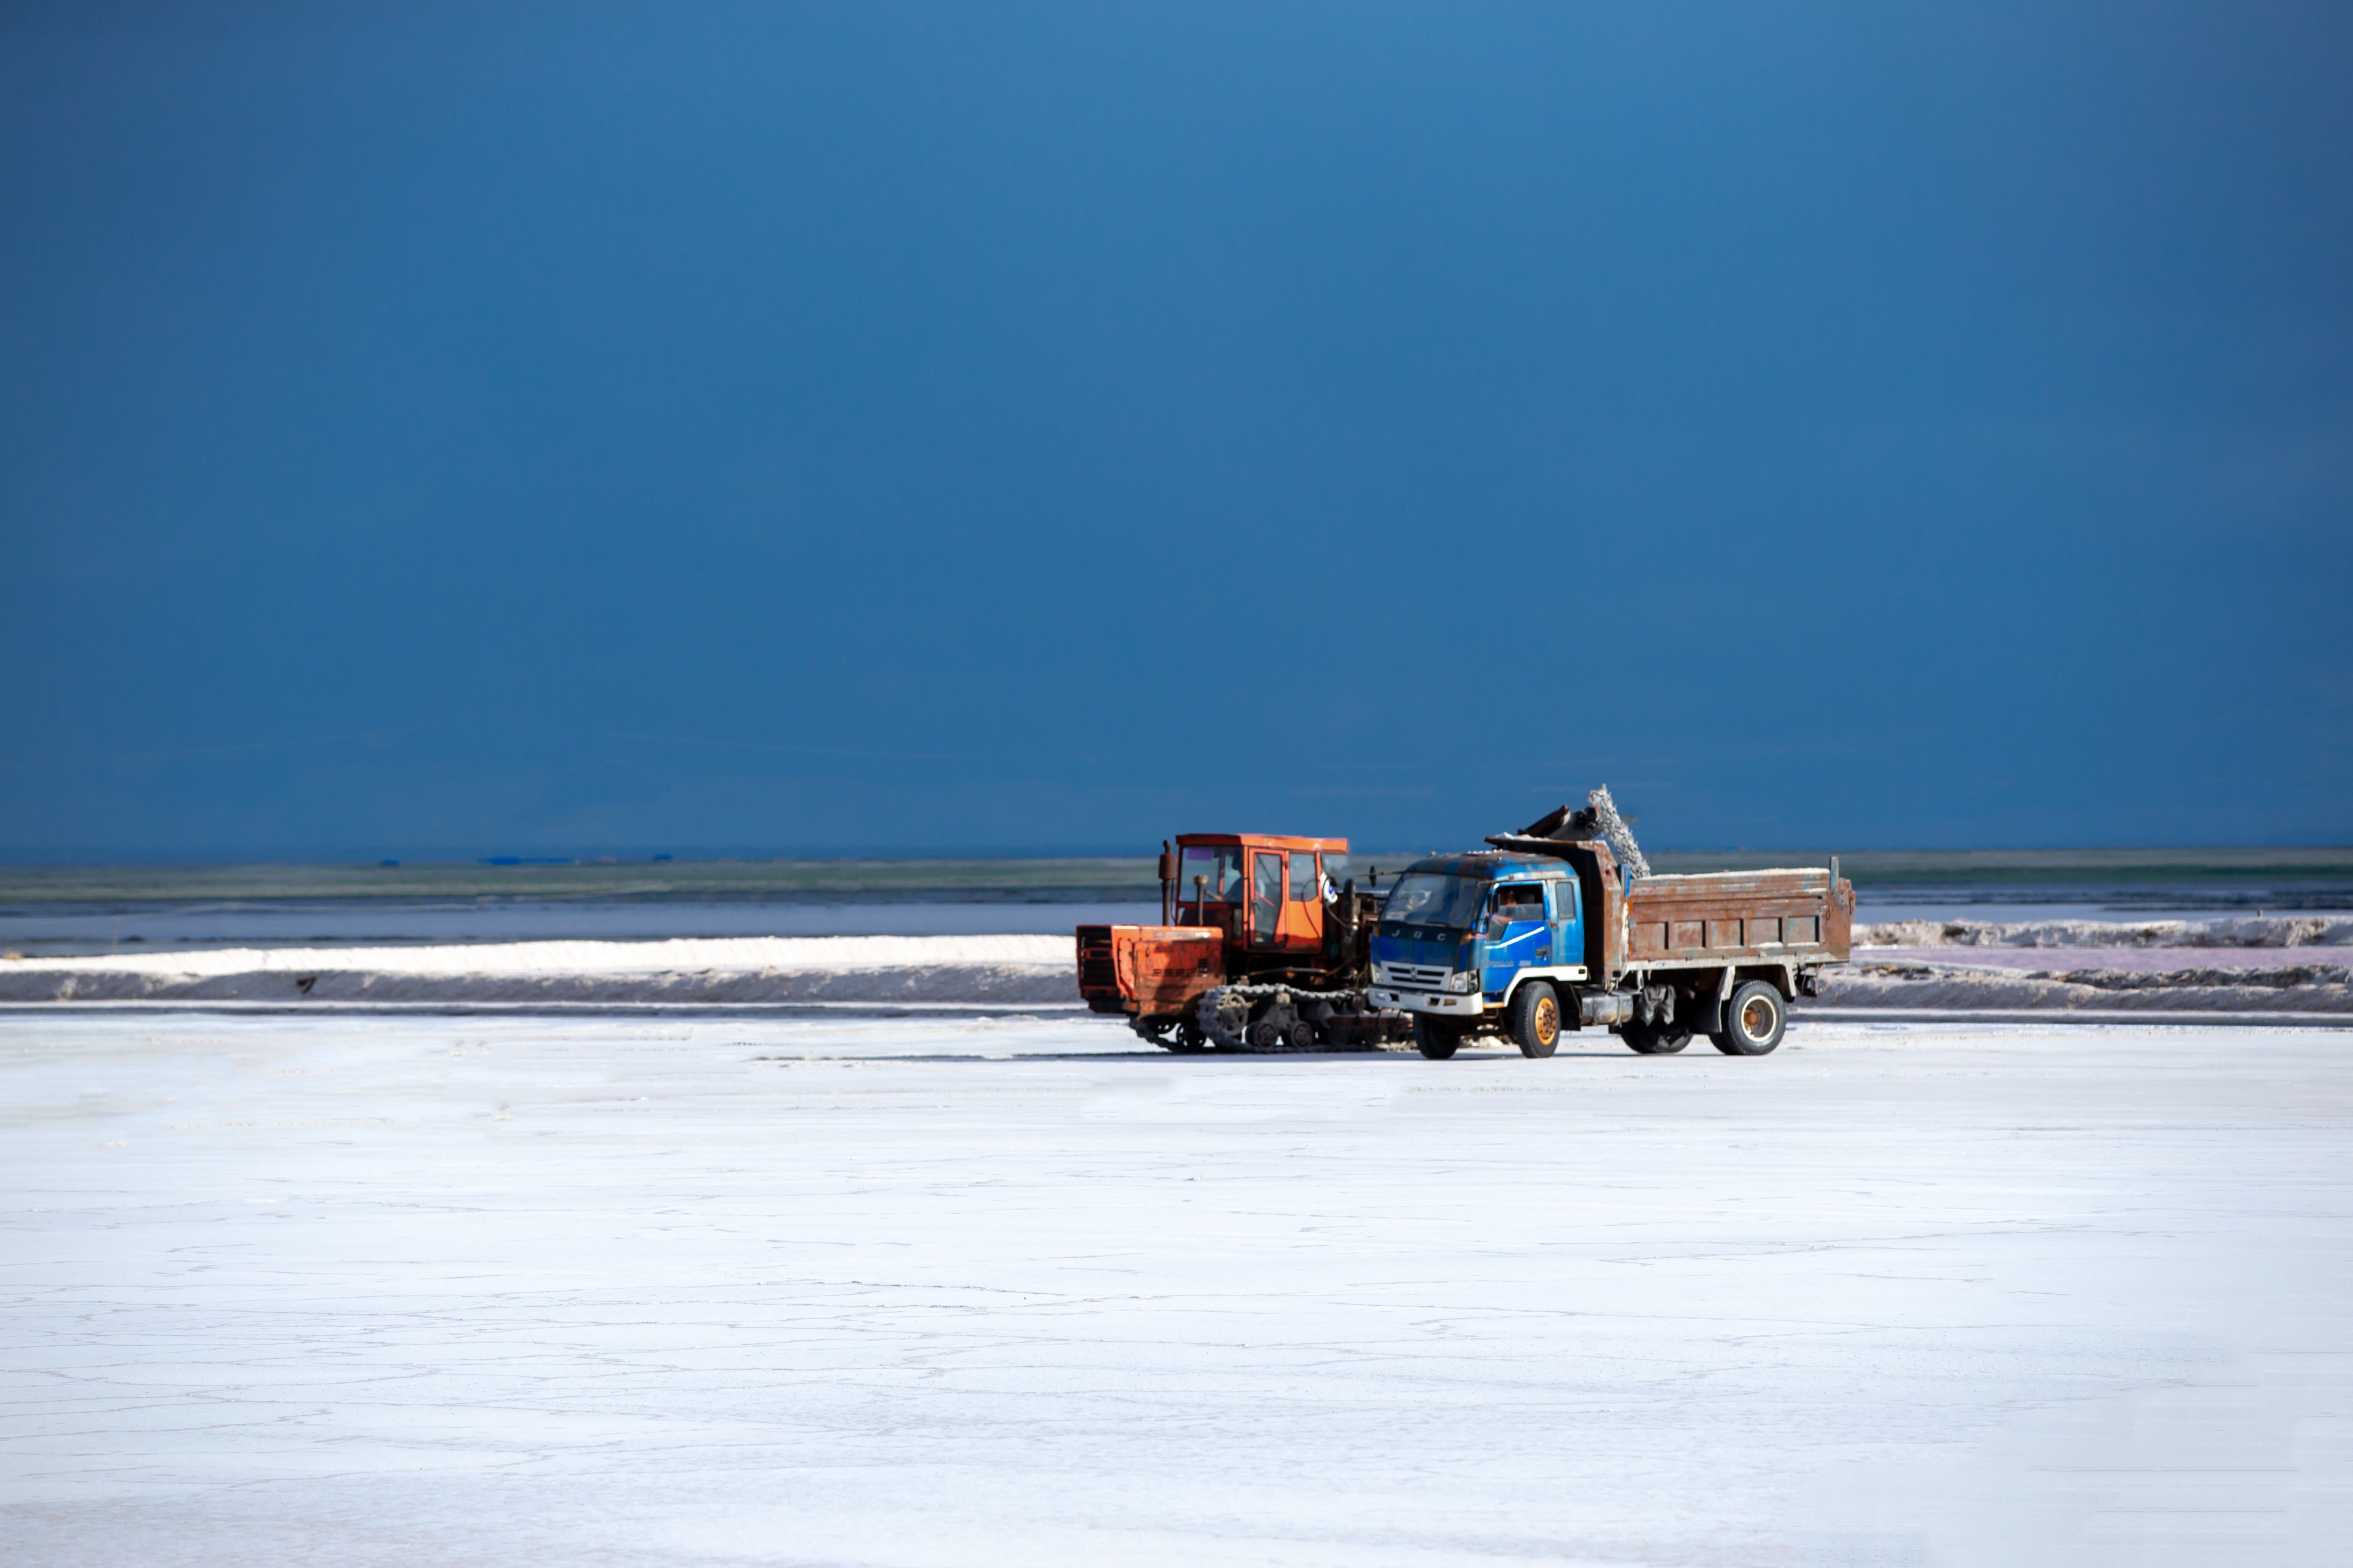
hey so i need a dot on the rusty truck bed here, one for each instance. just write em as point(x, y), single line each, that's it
point(1795, 918)
point(1788, 921)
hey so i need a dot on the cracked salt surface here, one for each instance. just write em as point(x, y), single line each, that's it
point(396, 1290)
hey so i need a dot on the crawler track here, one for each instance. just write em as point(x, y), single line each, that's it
point(1278, 1020)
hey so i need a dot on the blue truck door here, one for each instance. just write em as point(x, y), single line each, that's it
point(1517, 934)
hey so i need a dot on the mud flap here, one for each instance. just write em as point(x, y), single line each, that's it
point(1710, 1010)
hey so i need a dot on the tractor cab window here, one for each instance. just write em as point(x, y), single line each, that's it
point(1303, 889)
point(1220, 867)
point(1337, 868)
point(1266, 895)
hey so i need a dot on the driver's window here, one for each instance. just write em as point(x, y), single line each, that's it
point(1519, 901)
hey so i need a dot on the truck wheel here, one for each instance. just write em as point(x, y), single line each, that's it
point(1535, 1019)
point(1654, 1039)
point(1433, 1039)
point(1753, 1021)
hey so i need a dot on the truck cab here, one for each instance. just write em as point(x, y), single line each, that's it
point(1461, 935)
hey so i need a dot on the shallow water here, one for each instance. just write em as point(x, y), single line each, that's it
point(63, 911)
point(66, 930)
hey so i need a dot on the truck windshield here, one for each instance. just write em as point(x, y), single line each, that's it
point(1427, 899)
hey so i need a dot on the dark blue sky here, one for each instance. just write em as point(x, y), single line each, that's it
point(455, 429)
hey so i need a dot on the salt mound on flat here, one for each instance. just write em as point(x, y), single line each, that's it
point(2292, 988)
point(2232, 930)
point(1039, 971)
point(2157, 965)
point(1004, 969)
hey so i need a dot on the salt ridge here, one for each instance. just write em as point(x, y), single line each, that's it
point(1038, 971)
point(1007, 969)
point(2229, 930)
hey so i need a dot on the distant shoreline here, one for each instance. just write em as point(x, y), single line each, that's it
point(1070, 877)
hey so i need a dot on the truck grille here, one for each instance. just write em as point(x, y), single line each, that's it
point(1417, 976)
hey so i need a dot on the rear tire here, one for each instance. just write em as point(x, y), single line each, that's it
point(1433, 1039)
point(1754, 1021)
point(1654, 1039)
point(1535, 1019)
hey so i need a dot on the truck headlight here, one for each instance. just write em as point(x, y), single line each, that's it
point(1462, 980)
point(1380, 974)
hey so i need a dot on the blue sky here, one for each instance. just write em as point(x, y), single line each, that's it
point(771, 427)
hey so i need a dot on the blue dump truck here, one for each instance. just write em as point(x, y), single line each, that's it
point(1541, 935)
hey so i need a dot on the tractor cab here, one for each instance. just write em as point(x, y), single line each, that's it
point(1269, 894)
point(1236, 909)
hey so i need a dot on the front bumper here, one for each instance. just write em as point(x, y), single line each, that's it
point(1455, 1004)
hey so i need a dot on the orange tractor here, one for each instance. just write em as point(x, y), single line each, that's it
point(1262, 946)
